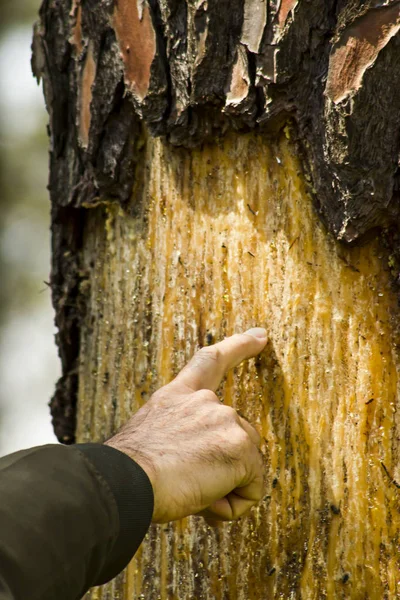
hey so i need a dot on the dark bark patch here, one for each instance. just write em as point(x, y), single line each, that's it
point(63, 408)
point(214, 42)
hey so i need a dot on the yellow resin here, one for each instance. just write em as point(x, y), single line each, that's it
point(221, 239)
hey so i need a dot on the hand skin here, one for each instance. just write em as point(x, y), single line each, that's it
point(200, 456)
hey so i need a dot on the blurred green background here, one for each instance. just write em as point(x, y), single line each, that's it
point(29, 364)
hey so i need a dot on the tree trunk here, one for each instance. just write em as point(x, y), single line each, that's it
point(213, 166)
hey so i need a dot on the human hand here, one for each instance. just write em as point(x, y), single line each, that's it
point(200, 456)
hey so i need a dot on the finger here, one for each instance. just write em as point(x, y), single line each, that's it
point(240, 500)
point(209, 365)
point(251, 432)
point(229, 508)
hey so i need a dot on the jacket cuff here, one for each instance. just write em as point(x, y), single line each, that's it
point(134, 498)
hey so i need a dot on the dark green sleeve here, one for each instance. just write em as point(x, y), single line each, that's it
point(70, 518)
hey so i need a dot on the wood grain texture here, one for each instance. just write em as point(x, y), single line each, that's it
point(217, 240)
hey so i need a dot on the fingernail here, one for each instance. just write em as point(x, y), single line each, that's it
point(257, 332)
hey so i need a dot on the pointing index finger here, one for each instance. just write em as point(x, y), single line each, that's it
point(209, 365)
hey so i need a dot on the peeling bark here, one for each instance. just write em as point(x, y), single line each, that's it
point(357, 50)
point(191, 71)
point(85, 91)
point(239, 85)
point(285, 7)
point(76, 27)
point(254, 22)
point(137, 39)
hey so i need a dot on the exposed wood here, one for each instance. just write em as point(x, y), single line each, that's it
point(196, 264)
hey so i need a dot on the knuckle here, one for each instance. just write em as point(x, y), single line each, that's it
point(242, 440)
point(230, 413)
point(206, 396)
point(209, 353)
point(256, 436)
point(160, 397)
point(241, 340)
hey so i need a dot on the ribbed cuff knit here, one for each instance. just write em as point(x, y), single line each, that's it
point(134, 497)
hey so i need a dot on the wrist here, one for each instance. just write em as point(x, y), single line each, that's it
point(142, 460)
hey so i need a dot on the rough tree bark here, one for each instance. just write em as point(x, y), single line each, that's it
point(215, 165)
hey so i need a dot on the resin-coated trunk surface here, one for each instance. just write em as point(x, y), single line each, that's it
point(221, 239)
